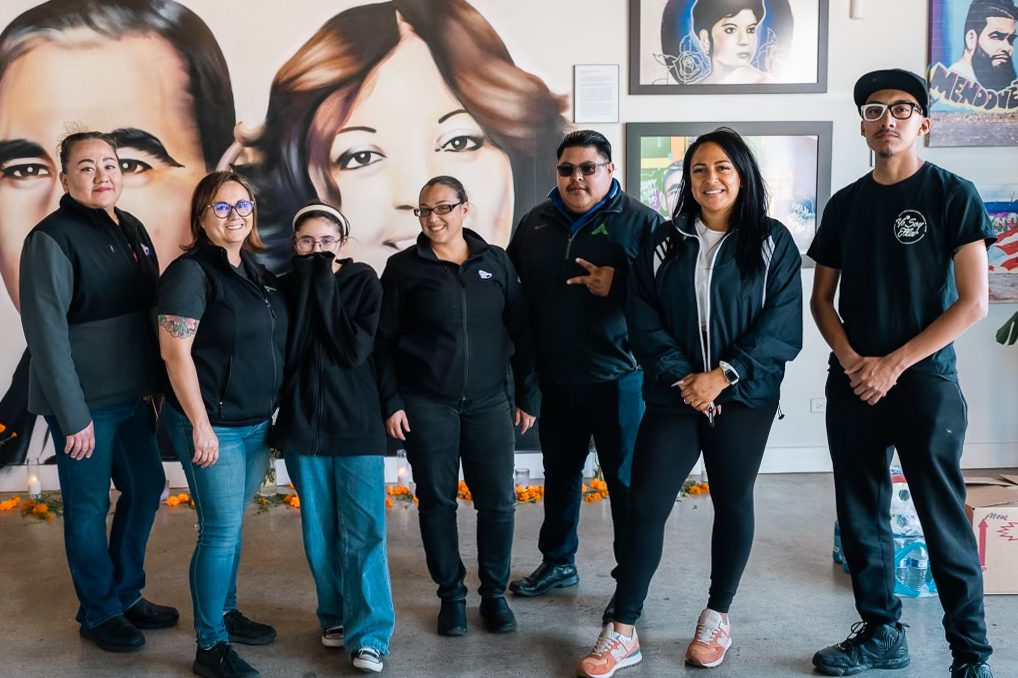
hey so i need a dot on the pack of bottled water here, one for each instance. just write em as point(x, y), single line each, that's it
point(912, 578)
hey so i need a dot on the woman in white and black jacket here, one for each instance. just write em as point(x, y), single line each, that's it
point(330, 430)
point(714, 312)
point(452, 319)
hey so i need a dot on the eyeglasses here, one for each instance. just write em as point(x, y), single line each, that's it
point(306, 243)
point(567, 169)
point(440, 210)
point(242, 207)
point(901, 110)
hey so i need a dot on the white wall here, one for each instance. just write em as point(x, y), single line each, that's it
point(548, 38)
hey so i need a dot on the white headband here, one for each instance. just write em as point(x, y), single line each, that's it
point(344, 223)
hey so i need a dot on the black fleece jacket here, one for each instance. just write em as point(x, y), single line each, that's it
point(329, 403)
point(448, 332)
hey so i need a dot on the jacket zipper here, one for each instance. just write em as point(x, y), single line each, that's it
point(705, 330)
point(226, 386)
point(272, 331)
point(466, 335)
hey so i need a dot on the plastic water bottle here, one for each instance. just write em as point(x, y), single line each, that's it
point(916, 566)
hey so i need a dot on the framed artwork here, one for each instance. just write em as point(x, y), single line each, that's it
point(1002, 205)
point(973, 85)
point(794, 158)
point(727, 46)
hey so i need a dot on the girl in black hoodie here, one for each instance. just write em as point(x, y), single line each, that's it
point(329, 428)
point(452, 317)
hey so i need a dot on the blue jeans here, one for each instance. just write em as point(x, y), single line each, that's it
point(109, 576)
point(221, 493)
point(342, 511)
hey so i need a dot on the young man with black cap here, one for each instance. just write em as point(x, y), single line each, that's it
point(907, 242)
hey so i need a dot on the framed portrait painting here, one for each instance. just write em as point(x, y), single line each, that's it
point(1001, 202)
point(794, 158)
point(973, 84)
point(727, 46)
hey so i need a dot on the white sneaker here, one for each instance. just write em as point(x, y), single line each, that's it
point(613, 651)
point(333, 636)
point(367, 659)
point(711, 641)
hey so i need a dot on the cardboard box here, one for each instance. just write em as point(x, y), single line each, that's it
point(992, 506)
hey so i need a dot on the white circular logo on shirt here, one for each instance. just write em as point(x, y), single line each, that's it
point(909, 227)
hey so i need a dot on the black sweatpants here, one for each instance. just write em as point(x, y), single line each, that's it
point(924, 417)
point(478, 432)
point(667, 447)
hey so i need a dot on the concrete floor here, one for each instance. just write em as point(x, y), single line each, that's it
point(793, 600)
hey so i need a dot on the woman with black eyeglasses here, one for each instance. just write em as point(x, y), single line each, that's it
point(222, 332)
point(452, 321)
point(330, 430)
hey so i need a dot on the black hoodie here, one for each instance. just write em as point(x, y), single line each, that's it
point(329, 403)
point(448, 331)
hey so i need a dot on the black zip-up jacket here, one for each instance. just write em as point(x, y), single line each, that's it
point(238, 350)
point(87, 295)
point(329, 404)
point(580, 338)
point(448, 331)
point(754, 325)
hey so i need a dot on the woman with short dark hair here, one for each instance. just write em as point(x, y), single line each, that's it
point(452, 321)
point(715, 312)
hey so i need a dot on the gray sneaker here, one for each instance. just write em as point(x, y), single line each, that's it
point(368, 659)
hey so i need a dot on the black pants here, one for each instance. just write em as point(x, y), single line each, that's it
point(667, 447)
point(924, 417)
point(480, 434)
point(609, 412)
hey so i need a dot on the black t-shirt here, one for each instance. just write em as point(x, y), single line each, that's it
point(895, 247)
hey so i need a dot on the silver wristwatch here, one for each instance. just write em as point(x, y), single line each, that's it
point(730, 374)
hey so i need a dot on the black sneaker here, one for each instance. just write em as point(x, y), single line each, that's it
point(452, 618)
point(116, 634)
point(497, 616)
point(246, 632)
point(147, 615)
point(971, 670)
point(868, 646)
point(222, 661)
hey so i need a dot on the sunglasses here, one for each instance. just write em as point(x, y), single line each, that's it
point(567, 169)
point(243, 208)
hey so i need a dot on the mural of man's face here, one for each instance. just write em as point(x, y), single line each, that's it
point(136, 87)
point(993, 57)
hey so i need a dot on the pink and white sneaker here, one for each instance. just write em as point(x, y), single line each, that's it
point(712, 639)
point(613, 651)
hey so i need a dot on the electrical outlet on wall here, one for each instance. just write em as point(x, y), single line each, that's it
point(818, 405)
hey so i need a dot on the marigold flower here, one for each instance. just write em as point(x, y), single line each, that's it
point(2, 428)
point(183, 497)
point(172, 501)
point(388, 502)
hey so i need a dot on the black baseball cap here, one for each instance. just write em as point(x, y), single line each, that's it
point(893, 78)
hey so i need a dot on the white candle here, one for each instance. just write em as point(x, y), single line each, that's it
point(34, 487)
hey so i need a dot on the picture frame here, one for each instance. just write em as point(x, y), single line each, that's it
point(1001, 202)
point(971, 74)
point(794, 158)
point(783, 52)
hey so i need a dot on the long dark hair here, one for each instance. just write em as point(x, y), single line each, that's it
point(748, 221)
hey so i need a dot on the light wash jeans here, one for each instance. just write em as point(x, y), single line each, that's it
point(342, 508)
point(221, 494)
point(109, 576)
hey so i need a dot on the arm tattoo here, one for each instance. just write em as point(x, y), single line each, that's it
point(178, 327)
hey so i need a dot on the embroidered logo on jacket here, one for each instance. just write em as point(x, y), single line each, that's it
point(484, 274)
point(909, 227)
point(600, 230)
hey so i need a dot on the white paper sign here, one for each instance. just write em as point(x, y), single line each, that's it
point(596, 93)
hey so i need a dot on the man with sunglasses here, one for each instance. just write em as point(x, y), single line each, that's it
point(572, 253)
point(907, 242)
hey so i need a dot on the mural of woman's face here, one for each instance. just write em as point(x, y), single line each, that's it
point(135, 87)
point(732, 40)
point(405, 127)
